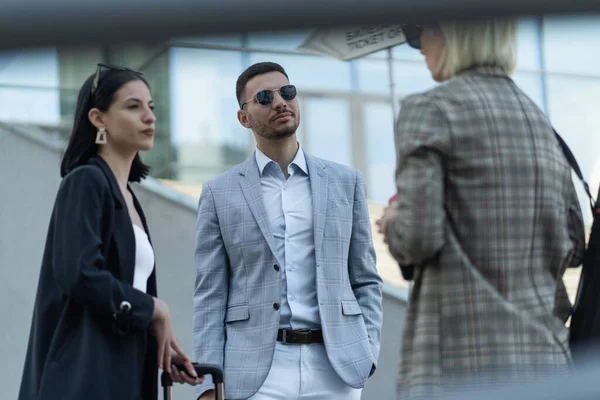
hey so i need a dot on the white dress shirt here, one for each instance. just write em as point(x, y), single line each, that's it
point(289, 207)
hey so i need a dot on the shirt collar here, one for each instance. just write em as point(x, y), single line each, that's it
point(263, 160)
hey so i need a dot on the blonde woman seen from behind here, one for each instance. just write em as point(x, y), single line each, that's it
point(487, 216)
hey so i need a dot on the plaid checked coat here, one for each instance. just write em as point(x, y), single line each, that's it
point(488, 213)
point(235, 324)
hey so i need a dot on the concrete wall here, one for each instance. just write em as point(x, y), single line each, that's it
point(29, 178)
point(28, 182)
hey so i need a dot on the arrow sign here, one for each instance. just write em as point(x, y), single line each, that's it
point(350, 43)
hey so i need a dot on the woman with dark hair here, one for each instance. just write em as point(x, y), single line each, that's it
point(98, 329)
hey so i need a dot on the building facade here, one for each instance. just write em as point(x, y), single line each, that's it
point(346, 107)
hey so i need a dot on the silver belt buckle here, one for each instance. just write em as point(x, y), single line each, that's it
point(284, 336)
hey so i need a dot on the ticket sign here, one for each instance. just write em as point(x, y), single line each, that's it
point(350, 43)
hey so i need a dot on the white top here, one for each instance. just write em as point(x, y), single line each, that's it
point(144, 259)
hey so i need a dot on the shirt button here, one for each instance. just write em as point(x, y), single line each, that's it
point(276, 267)
point(276, 306)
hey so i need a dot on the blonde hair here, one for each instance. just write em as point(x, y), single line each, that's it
point(490, 42)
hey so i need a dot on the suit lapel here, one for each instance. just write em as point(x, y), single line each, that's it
point(252, 190)
point(123, 235)
point(319, 187)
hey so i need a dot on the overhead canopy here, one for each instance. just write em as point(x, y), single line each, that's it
point(27, 23)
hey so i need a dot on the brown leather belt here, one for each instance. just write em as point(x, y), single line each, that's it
point(304, 336)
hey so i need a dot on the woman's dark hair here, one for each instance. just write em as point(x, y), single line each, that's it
point(82, 143)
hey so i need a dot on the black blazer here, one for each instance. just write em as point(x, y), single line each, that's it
point(83, 344)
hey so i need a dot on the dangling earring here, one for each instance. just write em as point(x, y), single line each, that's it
point(101, 136)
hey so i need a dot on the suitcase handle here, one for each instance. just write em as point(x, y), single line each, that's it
point(206, 369)
point(201, 369)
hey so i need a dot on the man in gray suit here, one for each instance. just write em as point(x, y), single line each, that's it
point(287, 295)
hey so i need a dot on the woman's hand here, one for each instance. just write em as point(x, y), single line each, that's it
point(169, 351)
point(161, 329)
point(189, 376)
point(388, 214)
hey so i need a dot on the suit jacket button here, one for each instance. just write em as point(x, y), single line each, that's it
point(276, 267)
point(276, 306)
point(125, 306)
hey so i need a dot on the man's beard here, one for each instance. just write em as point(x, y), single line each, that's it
point(281, 133)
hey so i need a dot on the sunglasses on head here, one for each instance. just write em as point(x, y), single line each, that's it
point(109, 66)
point(412, 33)
point(265, 97)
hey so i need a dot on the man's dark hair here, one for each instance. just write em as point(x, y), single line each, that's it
point(251, 72)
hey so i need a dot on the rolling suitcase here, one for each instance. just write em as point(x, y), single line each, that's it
point(201, 369)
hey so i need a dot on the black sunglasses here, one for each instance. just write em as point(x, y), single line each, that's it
point(265, 97)
point(412, 33)
point(113, 67)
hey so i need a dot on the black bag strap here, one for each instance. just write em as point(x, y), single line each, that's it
point(573, 163)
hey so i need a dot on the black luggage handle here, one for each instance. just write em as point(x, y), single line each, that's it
point(201, 369)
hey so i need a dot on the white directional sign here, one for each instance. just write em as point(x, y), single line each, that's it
point(350, 43)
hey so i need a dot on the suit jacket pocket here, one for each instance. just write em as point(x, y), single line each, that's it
point(351, 307)
point(237, 313)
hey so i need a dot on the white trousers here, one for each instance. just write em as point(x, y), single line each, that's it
point(303, 372)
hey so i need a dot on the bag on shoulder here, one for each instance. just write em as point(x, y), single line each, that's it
point(585, 318)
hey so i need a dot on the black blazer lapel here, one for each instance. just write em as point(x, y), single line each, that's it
point(123, 235)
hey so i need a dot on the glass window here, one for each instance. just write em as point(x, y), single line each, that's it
point(571, 44)
point(205, 131)
point(531, 84)
point(528, 49)
point(29, 105)
point(373, 76)
point(573, 107)
point(327, 129)
point(277, 40)
point(380, 55)
point(311, 72)
point(405, 52)
point(412, 77)
point(29, 86)
point(380, 152)
point(29, 67)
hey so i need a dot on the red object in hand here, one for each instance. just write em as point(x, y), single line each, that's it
point(393, 199)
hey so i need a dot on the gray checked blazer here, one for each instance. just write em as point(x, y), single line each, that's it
point(237, 284)
point(489, 216)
